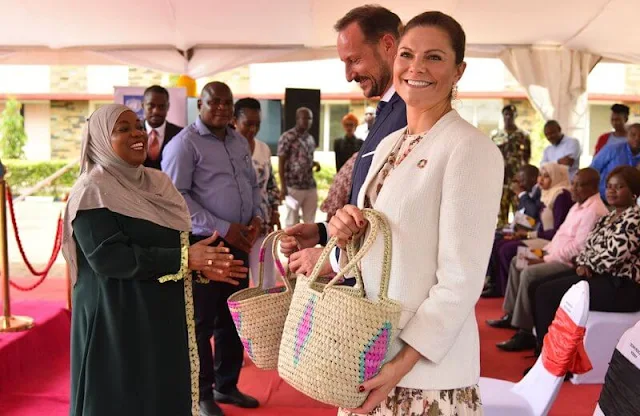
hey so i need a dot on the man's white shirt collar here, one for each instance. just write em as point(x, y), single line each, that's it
point(160, 130)
point(387, 95)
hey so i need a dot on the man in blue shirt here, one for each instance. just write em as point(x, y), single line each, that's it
point(614, 155)
point(563, 149)
point(211, 166)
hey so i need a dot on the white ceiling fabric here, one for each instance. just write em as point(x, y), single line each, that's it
point(219, 35)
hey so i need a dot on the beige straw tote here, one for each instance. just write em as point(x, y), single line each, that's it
point(335, 338)
point(259, 313)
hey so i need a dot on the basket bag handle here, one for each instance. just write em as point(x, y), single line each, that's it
point(285, 274)
point(377, 223)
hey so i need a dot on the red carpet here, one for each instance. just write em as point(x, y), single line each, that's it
point(35, 380)
point(34, 364)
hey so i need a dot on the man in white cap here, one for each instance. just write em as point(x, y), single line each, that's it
point(362, 131)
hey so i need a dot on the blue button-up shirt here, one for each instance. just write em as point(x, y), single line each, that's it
point(215, 177)
point(610, 157)
point(568, 146)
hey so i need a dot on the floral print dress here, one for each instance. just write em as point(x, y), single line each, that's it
point(402, 401)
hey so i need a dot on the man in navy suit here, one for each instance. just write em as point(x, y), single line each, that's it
point(367, 44)
point(159, 130)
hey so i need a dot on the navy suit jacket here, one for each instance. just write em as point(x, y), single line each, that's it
point(393, 117)
point(169, 131)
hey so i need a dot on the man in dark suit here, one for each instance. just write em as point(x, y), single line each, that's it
point(368, 39)
point(159, 130)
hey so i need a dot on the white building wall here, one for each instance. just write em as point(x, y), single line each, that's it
point(37, 121)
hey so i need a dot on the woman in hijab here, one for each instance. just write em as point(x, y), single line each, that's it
point(556, 199)
point(556, 203)
point(126, 240)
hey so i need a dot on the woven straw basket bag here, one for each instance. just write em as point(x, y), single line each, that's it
point(335, 338)
point(259, 313)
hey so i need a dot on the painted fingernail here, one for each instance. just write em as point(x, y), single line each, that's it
point(361, 223)
point(361, 389)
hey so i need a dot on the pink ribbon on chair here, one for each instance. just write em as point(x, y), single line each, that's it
point(563, 348)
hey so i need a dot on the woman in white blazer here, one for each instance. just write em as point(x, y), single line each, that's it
point(438, 182)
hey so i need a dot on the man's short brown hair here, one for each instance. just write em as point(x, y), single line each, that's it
point(374, 21)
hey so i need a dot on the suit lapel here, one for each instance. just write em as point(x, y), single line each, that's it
point(386, 111)
point(379, 158)
point(370, 144)
point(170, 131)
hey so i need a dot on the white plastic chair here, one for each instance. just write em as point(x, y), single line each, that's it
point(628, 346)
point(604, 330)
point(535, 393)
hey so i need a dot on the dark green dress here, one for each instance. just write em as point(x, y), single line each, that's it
point(130, 344)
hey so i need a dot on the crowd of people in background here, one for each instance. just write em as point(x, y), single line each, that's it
point(573, 224)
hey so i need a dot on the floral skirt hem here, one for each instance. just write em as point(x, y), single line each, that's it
point(415, 402)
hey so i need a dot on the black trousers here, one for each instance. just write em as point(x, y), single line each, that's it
point(607, 294)
point(212, 318)
point(533, 288)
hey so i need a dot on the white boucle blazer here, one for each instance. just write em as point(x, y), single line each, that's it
point(441, 203)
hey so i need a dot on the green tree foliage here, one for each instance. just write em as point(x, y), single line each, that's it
point(12, 135)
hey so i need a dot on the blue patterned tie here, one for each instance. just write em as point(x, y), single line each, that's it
point(380, 107)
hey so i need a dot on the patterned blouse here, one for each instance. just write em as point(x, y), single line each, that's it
point(613, 247)
point(338, 195)
point(516, 150)
point(298, 150)
point(400, 151)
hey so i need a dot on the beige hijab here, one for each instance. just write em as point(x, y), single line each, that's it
point(107, 181)
point(559, 175)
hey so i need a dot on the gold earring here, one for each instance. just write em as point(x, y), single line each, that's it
point(454, 92)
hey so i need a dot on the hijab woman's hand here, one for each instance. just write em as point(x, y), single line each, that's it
point(204, 258)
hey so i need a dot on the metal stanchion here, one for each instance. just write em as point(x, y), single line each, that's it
point(8, 323)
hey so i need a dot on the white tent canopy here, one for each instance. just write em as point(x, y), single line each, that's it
point(196, 37)
point(199, 37)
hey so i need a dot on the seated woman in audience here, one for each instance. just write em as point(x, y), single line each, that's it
point(610, 261)
point(619, 154)
point(556, 203)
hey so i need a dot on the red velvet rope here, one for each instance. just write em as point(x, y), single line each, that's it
point(57, 244)
point(563, 348)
